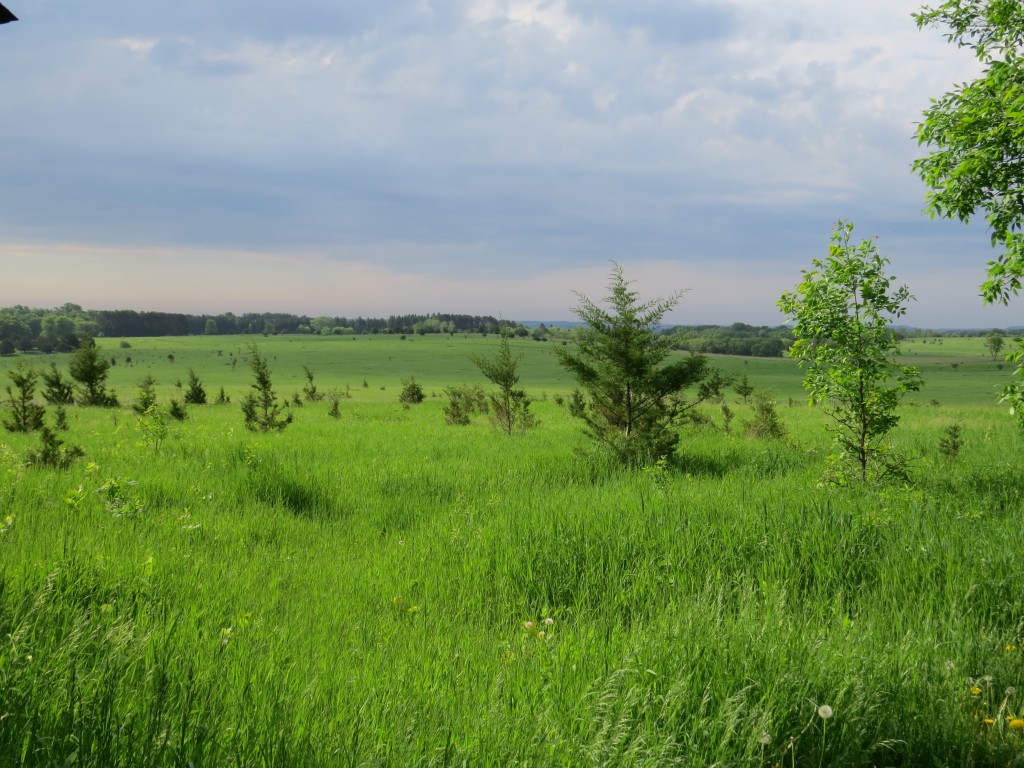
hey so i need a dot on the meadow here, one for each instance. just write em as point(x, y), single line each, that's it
point(385, 589)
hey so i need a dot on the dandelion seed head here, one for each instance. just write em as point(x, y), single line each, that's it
point(548, 621)
point(765, 739)
point(529, 625)
point(824, 711)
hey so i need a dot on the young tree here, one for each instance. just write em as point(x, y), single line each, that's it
point(744, 388)
point(841, 311)
point(976, 134)
point(90, 371)
point(146, 398)
point(412, 393)
point(26, 415)
point(196, 393)
point(260, 407)
point(632, 395)
point(310, 391)
point(56, 389)
point(994, 344)
point(509, 405)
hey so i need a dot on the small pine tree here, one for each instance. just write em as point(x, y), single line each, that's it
point(222, 398)
point(951, 442)
point(310, 390)
point(146, 397)
point(261, 408)
point(26, 415)
point(196, 393)
point(412, 393)
point(56, 389)
point(744, 388)
point(176, 410)
point(335, 410)
point(52, 452)
point(90, 371)
point(60, 419)
point(509, 405)
point(766, 422)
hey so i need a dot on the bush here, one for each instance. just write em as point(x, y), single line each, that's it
point(196, 393)
point(412, 393)
point(52, 452)
point(463, 402)
point(766, 422)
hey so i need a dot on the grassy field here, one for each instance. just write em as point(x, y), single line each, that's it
point(384, 589)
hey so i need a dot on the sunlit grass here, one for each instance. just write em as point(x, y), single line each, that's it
point(373, 590)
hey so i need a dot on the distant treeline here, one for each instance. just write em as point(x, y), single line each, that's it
point(62, 328)
point(735, 339)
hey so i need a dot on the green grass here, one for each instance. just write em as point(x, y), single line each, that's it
point(356, 591)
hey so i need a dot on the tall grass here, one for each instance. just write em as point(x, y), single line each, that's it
point(384, 589)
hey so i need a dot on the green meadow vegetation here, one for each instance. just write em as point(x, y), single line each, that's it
point(378, 587)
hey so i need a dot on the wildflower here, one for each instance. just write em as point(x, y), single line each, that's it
point(765, 739)
point(1017, 724)
point(824, 711)
point(1011, 647)
point(529, 625)
point(988, 721)
point(548, 621)
point(975, 691)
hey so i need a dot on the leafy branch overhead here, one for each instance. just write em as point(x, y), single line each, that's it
point(976, 134)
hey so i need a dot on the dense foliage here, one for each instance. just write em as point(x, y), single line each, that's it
point(976, 133)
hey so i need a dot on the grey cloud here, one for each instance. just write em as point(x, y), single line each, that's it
point(677, 21)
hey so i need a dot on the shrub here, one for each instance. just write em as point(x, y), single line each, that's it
point(261, 409)
point(766, 422)
point(25, 415)
point(196, 393)
point(52, 452)
point(412, 393)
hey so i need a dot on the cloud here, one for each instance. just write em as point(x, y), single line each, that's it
point(451, 138)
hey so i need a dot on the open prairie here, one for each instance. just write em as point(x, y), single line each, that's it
point(386, 589)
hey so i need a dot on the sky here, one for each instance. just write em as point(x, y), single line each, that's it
point(378, 157)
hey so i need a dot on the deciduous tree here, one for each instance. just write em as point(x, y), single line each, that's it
point(842, 310)
point(976, 133)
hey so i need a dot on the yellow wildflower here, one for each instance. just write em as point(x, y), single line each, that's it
point(975, 691)
point(1017, 724)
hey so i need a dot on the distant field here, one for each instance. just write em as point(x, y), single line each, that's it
point(956, 370)
point(383, 589)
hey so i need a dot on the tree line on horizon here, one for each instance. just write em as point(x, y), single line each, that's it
point(61, 329)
